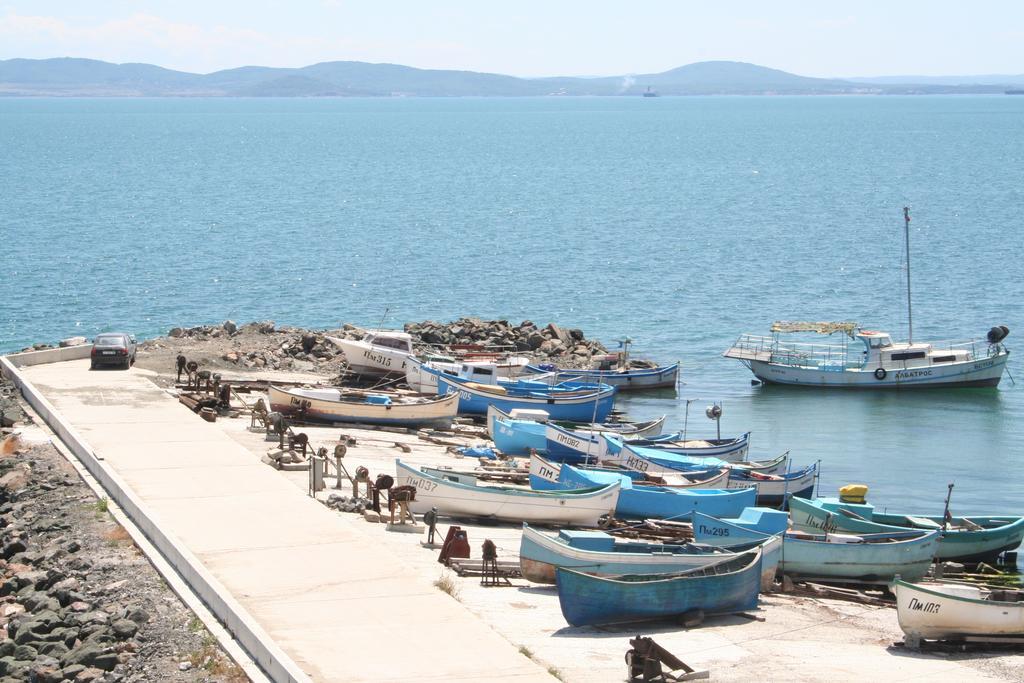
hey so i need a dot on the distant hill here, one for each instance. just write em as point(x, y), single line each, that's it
point(88, 77)
point(983, 80)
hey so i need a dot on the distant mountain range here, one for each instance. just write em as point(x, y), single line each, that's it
point(87, 77)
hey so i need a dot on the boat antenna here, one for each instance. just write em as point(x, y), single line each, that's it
point(383, 318)
point(946, 517)
point(906, 235)
point(686, 415)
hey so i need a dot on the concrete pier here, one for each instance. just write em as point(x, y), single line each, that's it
point(339, 604)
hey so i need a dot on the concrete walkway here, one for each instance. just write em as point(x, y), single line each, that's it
point(339, 602)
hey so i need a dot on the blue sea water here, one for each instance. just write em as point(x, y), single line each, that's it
point(680, 222)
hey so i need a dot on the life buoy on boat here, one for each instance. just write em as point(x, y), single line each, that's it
point(880, 373)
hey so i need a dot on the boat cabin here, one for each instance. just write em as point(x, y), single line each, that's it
point(394, 341)
point(881, 351)
point(481, 373)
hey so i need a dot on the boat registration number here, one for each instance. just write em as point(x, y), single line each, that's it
point(713, 531)
point(422, 484)
point(635, 463)
point(930, 607)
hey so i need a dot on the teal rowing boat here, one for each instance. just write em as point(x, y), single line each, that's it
point(964, 539)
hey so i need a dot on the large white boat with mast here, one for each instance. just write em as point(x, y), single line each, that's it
point(871, 359)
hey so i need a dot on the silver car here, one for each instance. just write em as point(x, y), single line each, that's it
point(113, 349)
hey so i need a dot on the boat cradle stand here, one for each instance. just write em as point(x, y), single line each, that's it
point(645, 660)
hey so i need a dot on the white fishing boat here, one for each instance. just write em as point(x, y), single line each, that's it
point(939, 610)
point(492, 371)
point(382, 352)
point(871, 359)
point(582, 507)
point(345, 405)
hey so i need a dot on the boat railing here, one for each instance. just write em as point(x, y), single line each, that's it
point(827, 356)
point(977, 348)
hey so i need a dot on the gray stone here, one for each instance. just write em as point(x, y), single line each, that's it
point(230, 327)
point(90, 654)
point(73, 670)
point(26, 652)
point(124, 628)
point(176, 332)
point(139, 615)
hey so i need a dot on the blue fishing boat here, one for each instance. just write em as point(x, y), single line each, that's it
point(623, 379)
point(658, 462)
point(964, 539)
point(543, 475)
point(874, 558)
point(596, 552)
point(657, 502)
point(527, 431)
point(725, 587)
point(753, 524)
point(577, 404)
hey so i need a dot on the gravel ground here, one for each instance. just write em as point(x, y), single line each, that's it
point(78, 600)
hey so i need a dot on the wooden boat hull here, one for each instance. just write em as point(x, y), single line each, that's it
point(318, 407)
point(941, 611)
point(1001, 534)
point(452, 499)
point(584, 406)
point(630, 380)
point(588, 600)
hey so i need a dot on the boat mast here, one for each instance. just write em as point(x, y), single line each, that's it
point(906, 235)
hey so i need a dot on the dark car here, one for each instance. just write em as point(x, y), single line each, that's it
point(113, 348)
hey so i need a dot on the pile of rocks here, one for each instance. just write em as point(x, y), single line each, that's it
point(567, 346)
point(356, 504)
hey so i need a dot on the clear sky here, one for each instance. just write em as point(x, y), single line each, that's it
point(530, 37)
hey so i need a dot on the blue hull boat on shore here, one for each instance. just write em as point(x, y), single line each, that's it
point(652, 502)
point(964, 539)
point(870, 558)
point(576, 404)
point(753, 524)
point(726, 587)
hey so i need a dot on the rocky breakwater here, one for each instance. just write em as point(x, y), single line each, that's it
point(564, 346)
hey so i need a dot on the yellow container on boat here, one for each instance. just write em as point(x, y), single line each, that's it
point(853, 493)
